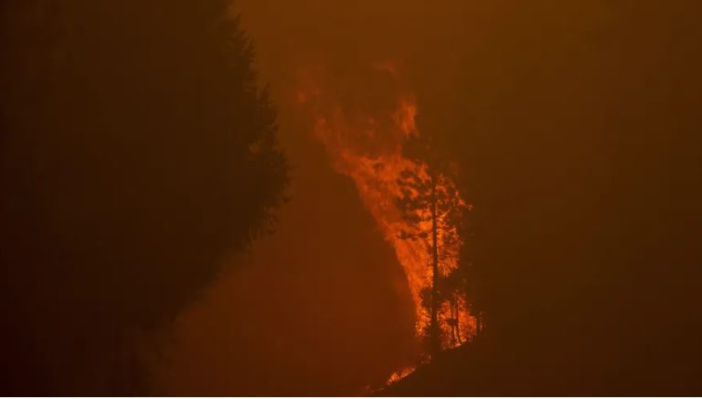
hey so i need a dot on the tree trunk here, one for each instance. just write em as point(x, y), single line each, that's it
point(435, 338)
point(455, 326)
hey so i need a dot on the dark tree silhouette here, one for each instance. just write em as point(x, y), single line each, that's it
point(430, 204)
point(137, 150)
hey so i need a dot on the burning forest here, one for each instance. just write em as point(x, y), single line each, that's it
point(409, 190)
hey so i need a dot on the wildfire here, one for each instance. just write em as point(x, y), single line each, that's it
point(397, 376)
point(365, 139)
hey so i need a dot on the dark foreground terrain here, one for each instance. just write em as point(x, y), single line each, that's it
point(483, 369)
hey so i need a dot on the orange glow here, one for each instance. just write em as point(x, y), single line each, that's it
point(397, 376)
point(366, 144)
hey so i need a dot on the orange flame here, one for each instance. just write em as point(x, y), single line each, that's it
point(397, 376)
point(366, 145)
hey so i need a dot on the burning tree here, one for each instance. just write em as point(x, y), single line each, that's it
point(410, 193)
point(432, 207)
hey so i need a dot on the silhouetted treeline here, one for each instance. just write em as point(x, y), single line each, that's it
point(432, 207)
point(580, 138)
point(136, 151)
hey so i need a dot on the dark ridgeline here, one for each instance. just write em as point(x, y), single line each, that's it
point(136, 151)
point(580, 135)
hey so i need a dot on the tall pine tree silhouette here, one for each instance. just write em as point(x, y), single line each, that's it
point(137, 150)
point(431, 205)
